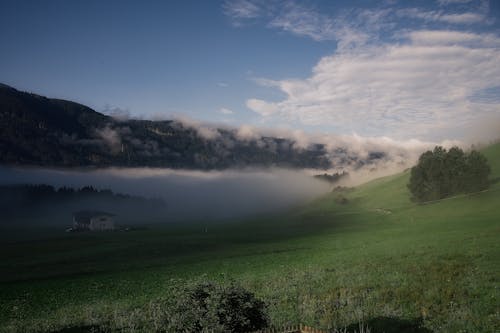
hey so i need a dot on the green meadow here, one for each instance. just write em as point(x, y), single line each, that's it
point(365, 256)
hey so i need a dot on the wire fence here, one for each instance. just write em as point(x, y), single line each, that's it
point(308, 329)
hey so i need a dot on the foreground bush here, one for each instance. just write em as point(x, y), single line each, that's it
point(209, 307)
point(440, 173)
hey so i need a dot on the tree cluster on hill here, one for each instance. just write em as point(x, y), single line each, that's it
point(333, 178)
point(441, 173)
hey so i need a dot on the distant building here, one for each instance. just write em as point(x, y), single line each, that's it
point(93, 221)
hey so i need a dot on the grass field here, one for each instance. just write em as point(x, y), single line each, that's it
point(378, 257)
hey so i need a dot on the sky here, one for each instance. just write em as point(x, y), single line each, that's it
point(405, 70)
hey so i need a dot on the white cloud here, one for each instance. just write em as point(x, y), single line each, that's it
point(450, 37)
point(247, 133)
point(465, 18)
point(204, 131)
point(111, 137)
point(226, 111)
point(415, 88)
point(208, 133)
point(449, 2)
point(262, 107)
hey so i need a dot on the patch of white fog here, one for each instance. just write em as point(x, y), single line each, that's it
point(398, 155)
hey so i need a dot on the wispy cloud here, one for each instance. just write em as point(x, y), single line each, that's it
point(111, 137)
point(239, 10)
point(116, 112)
point(226, 111)
point(298, 19)
point(448, 2)
point(304, 21)
point(349, 27)
point(440, 16)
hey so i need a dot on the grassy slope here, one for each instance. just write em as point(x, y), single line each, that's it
point(325, 264)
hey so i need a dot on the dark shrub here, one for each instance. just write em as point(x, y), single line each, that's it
point(210, 307)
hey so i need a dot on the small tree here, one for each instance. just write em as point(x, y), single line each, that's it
point(440, 173)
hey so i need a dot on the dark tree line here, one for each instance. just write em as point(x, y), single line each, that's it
point(333, 178)
point(25, 198)
point(40, 192)
point(441, 173)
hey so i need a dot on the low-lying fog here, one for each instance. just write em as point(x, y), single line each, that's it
point(188, 195)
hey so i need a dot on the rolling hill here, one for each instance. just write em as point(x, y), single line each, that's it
point(366, 255)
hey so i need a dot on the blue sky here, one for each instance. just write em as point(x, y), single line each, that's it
point(426, 70)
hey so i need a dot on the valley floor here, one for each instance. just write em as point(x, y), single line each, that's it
point(349, 257)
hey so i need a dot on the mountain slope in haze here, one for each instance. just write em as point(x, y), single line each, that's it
point(35, 130)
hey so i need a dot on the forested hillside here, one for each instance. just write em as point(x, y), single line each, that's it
point(35, 130)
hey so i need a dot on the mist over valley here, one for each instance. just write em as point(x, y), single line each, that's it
point(186, 195)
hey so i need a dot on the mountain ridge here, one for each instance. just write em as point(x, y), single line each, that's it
point(41, 131)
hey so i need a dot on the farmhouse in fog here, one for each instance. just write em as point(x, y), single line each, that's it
point(93, 221)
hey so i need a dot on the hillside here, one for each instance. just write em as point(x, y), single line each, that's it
point(374, 258)
point(35, 130)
